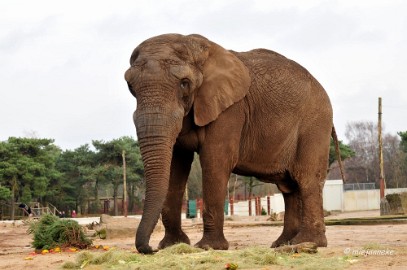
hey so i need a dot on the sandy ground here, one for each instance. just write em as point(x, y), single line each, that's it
point(241, 232)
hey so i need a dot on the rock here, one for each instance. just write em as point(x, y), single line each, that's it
point(306, 247)
point(105, 218)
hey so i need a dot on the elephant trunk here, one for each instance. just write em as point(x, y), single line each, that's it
point(157, 133)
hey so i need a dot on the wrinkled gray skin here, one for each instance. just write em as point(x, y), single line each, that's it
point(252, 113)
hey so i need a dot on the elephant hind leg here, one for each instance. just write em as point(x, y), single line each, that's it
point(311, 183)
point(292, 218)
point(309, 171)
point(312, 228)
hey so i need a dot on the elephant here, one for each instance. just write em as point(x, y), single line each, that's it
point(254, 113)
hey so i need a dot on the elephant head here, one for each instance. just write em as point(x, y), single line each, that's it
point(173, 76)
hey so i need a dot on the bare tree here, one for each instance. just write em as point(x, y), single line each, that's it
point(395, 162)
point(364, 166)
point(362, 137)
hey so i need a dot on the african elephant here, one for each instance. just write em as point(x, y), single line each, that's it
point(252, 113)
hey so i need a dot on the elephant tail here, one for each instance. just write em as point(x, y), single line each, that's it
point(338, 153)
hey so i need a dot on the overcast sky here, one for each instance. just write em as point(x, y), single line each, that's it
point(62, 62)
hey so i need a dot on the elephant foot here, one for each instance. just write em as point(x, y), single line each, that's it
point(284, 239)
point(219, 243)
point(172, 239)
point(145, 249)
point(318, 238)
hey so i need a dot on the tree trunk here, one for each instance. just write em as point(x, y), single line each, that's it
point(131, 198)
point(12, 205)
point(13, 198)
point(124, 184)
point(96, 207)
point(115, 206)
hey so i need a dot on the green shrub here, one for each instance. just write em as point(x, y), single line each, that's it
point(403, 198)
point(263, 212)
point(51, 231)
point(395, 203)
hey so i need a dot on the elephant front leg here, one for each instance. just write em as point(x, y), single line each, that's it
point(171, 212)
point(218, 154)
point(214, 191)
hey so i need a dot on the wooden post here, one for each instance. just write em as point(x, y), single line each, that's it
point(379, 127)
point(250, 206)
point(268, 206)
point(384, 204)
point(231, 201)
point(258, 206)
point(124, 184)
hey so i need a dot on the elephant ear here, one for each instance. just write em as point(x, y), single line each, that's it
point(226, 80)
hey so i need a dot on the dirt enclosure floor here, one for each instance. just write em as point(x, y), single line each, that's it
point(391, 238)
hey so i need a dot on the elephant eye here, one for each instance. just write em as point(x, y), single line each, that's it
point(130, 88)
point(184, 84)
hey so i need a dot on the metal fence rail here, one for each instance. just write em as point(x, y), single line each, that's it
point(359, 186)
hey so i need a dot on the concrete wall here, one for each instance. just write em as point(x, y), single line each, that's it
point(277, 203)
point(333, 195)
point(241, 208)
point(395, 190)
point(335, 198)
point(359, 200)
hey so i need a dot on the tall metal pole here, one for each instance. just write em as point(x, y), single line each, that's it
point(124, 184)
point(379, 126)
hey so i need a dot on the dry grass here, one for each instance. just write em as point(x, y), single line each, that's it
point(183, 256)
